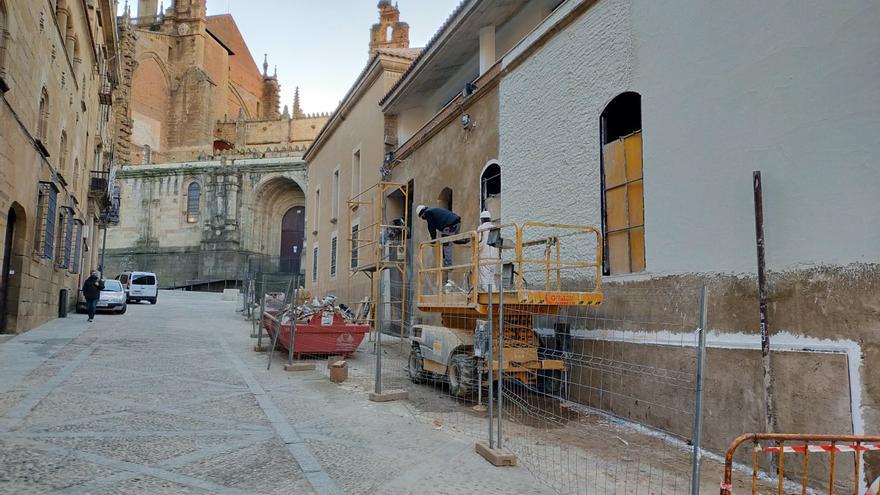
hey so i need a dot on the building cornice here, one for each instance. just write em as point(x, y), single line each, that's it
point(291, 164)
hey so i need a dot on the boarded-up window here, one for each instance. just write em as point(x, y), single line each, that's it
point(624, 204)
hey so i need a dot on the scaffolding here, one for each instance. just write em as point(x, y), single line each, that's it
point(378, 218)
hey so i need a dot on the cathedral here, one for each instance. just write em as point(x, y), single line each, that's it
point(211, 174)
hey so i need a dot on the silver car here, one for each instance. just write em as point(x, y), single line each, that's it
point(112, 298)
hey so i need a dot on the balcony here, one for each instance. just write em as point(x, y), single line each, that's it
point(99, 185)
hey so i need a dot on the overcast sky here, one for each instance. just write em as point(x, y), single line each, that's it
point(320, 45)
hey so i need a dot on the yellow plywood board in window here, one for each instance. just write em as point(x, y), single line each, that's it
point(637, 249)
point(614, 163)
point(615, 204)
point(618, 252)
point(635, 201)
point(633, 151)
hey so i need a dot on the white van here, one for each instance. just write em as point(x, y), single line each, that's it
point(140, 286)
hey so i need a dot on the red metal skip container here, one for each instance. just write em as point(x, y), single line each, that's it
point(326, 332)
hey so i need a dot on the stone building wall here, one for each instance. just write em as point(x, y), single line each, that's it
point(240, 208)
point(61, 39)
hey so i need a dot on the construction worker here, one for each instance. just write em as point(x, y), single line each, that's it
point(445, 222)
point(488, 254)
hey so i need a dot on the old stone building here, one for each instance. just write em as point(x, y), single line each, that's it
point(212, 173)
point(58, 70)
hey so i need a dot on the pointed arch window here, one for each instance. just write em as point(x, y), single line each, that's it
point(43, 122)
point(193, 202)
point(62, 151)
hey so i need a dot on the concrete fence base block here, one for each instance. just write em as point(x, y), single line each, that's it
point(389, 395)
point(497, 457)
point(299, 366)
point(259, 348)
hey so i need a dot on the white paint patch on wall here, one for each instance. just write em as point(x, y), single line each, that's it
point(792, 92)
point(145, 130)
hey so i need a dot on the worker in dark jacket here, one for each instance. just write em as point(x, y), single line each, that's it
point(92, 292)
point(445, 222)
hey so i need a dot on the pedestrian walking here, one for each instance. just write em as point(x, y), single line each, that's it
point(488, 254)
point(441, 220)
point(92, 292)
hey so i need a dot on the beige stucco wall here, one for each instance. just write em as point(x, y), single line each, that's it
point(361, 130)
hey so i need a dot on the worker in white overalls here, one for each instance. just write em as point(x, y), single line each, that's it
point(488, 254)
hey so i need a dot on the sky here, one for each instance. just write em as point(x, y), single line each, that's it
point(320, 45)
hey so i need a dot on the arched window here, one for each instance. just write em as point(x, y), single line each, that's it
point(444, 200)
point(62, 151)
point(43, 117)
point(389, 33)
point(623, 213)
point(193, 199)
point(490, 188)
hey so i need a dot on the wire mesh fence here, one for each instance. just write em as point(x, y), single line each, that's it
point(595, 389)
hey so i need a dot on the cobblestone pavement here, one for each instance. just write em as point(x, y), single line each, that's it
point(171, 398)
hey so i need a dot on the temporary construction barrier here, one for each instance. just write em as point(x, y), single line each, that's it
point(803, 448)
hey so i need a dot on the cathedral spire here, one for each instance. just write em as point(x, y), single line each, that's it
point(297, 109)
point(265, 65)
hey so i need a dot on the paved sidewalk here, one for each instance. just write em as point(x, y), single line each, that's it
point(172, 399)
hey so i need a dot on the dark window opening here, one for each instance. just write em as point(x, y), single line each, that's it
point(445, 199)
point(490, 185)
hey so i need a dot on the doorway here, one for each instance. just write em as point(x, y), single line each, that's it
point(5, 276)
point(292, 235)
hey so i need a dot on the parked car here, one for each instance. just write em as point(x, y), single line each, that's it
point(140, 286)
point(112, 298)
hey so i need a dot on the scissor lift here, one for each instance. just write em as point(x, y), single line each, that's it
point(543, 268)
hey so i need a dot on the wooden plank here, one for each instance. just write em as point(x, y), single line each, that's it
point(637, 249)
point(618, 252)
point(615, 207)
point(635, 203)
point(614, 162)
point(633, 155)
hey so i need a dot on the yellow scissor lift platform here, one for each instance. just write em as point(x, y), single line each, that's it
point(544, 269)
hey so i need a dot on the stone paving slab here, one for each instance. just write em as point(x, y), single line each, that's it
point(171, 399)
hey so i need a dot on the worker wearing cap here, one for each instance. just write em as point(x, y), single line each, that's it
point(445, 222)
point(488, 254)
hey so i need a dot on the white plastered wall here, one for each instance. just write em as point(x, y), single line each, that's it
point(786, 88)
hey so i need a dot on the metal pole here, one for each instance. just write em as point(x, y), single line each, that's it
point(379, 312)
point(500, 360)
point(491, 374)
point(770, 414)
point(260, 318)
point(698, 406)
point(103, 248)
point(289, 299)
